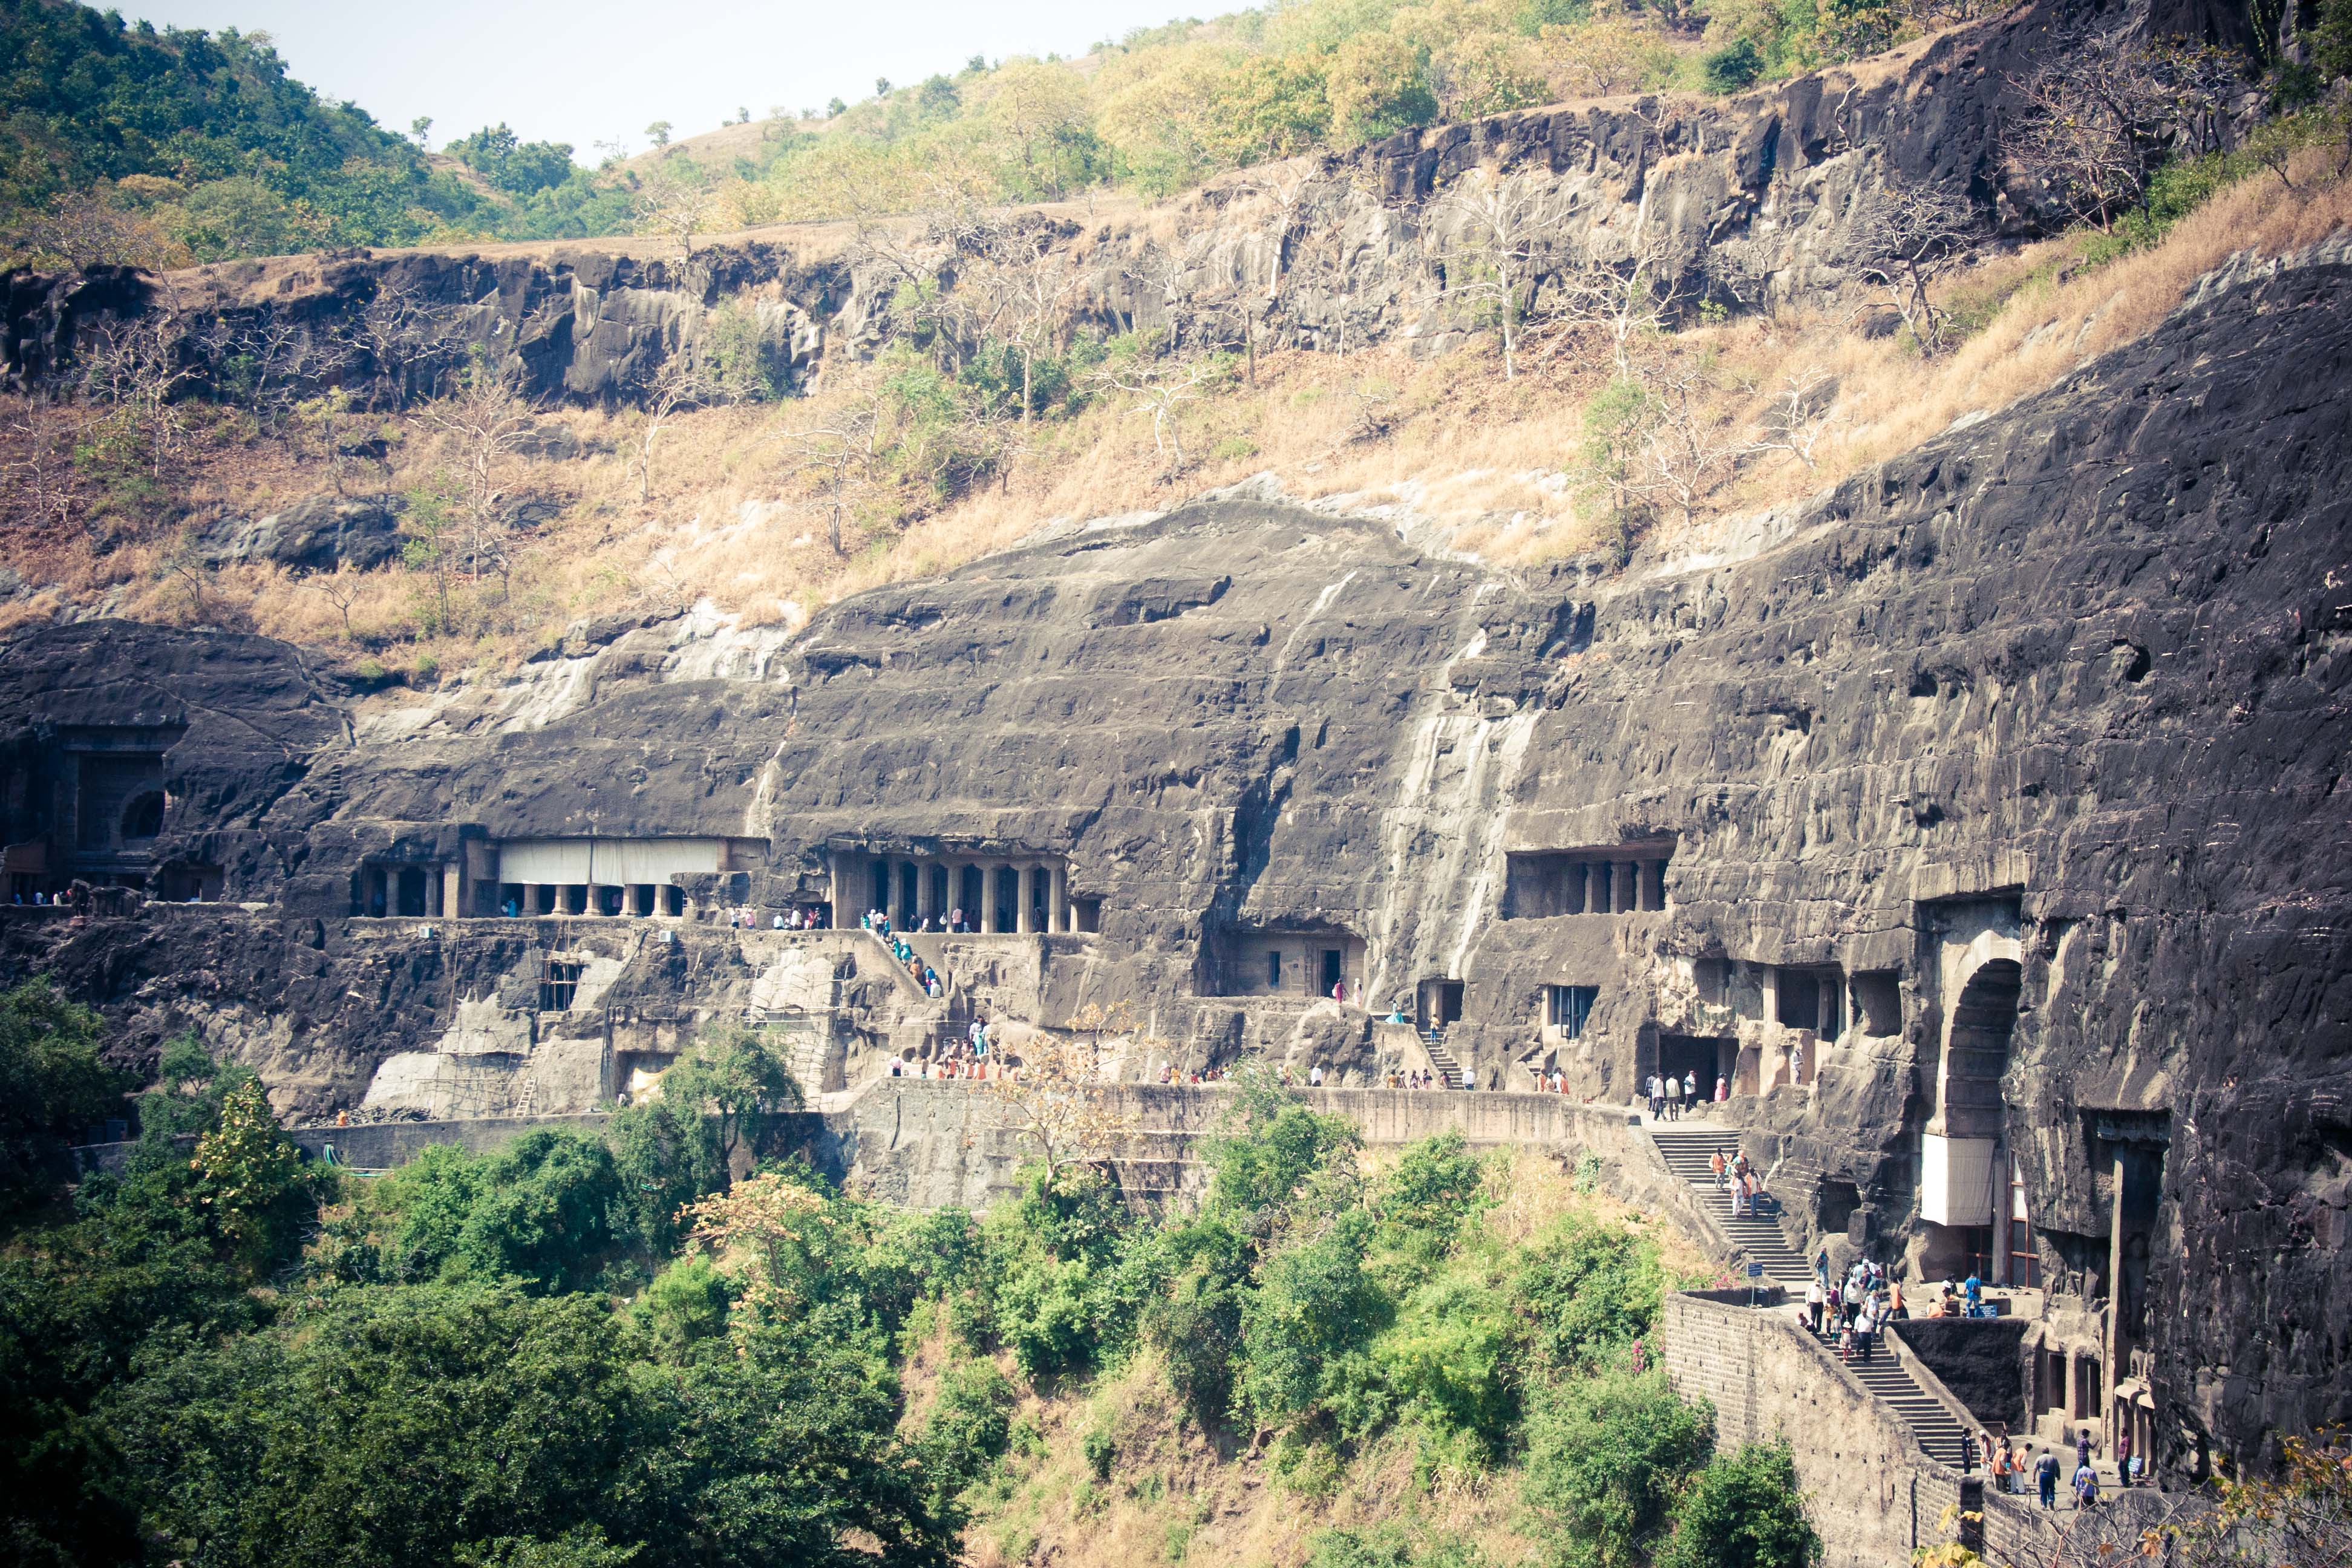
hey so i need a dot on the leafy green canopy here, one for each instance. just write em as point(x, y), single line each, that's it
point(248, 158)
point(229, 1358)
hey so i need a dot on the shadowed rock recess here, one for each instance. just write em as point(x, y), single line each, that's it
point(1983, 831)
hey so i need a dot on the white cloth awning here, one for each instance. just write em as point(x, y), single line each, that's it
point(607, 862)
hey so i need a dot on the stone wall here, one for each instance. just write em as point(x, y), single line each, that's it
point(1869, 1491)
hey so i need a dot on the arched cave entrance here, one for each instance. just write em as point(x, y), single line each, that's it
point(1966, 1194)
point(143, 818)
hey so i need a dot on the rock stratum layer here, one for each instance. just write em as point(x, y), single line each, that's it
point(1984, 829)
point(1328, 253)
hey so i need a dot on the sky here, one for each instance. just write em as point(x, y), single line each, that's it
point(585, 71)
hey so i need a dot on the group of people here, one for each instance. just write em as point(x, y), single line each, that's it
point(922, 973)
point(1170, 1073)
point(2010, 1467)
point(1854, 1310)
point(1671, 1096)
point(1735, 1173)
point(975, 1056)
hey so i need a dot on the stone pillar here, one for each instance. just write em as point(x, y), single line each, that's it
point(1825, 1016)
point(988, 896)
point(452, 889)
point(833, 887)
point(1057, 894)
point(1654, 884)
point(1024, 899)
point(1621, 898)
point(923, 891)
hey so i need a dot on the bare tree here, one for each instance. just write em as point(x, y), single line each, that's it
point(1028, 290)
point(82, 229)
point(42, 483)
point(1685, 445)
point(2099, 114)
point(1800, 414)
point(341, 588)
point(676, 203)
point(406, 341)
point(840, 453)
point(139, 364)
point(1910, 236)
point(1159, 388)
point(485, 419)
point(679, 384)
point(1504, 226)
point(1621, 303)
point(1054, 1100)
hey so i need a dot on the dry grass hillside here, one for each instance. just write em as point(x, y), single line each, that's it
point(1744, 414)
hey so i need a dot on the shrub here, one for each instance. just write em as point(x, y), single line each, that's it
point(1733, 67)
point(1586, 1289)
point(1743, 1511)
point(1607, 1457)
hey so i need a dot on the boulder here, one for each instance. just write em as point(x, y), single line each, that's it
point(315, 534)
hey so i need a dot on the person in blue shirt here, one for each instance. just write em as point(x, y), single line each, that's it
point(1973, 1288)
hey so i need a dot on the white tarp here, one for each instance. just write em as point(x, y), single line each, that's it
point(618, 862)
point(1955, 1177)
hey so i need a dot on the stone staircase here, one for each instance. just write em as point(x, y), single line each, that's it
point(1940, 1434)
point(1757, 1237)
point(1449, 1071)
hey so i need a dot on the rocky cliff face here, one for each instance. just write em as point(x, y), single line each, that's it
point(2001, 782)
point(1756, 199)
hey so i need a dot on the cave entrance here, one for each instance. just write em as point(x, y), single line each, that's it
point(1964, 1172)
point(1437, 1003)
point(1705, 1057)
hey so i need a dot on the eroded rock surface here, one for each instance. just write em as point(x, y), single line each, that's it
point(2003, 783)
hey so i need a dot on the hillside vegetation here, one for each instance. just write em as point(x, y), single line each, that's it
point(576, 1352)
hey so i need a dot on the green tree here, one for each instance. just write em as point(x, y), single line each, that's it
point(52, 1083)
point(1307, 1329)
point(1607, 1457)
point(737, 1076)
point(1743, 1511)
point(249, 1178)
point(1585, 1289)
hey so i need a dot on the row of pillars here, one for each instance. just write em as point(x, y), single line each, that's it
point(994, 895)
point(1614, 886)
point(641, 899)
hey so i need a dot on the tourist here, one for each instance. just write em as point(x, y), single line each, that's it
point(1974, 1289)
point(1722, 1088)
point(1690, 1091)
point(1315, 1076)
point(2083, 1448)
point(1722, 1168)
point(2003, 1471)
point(1821, 1266)
point(1340, 992)
point(1866, 1328)
point(2087, 1486)
point(1815, 1298)
point(2045, 1476)
point(1896, 1301)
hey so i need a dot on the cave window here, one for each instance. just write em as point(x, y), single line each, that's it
point(1087, 912)
point(410, 891)
point(1878, 1003)
point(673, 900)
point(1568, 1008)
point(1274, 969)
point(143, 818)
point(559, 982)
